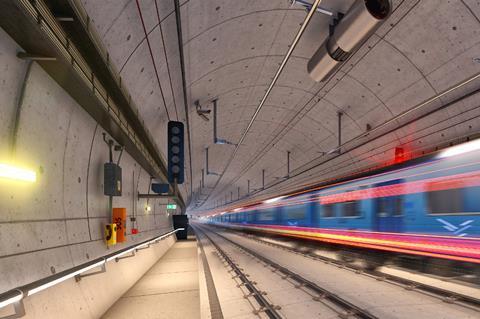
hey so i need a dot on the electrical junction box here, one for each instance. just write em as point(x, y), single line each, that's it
point(120, 219)
point(181, 221)
point(112, 179)
point(160, 188)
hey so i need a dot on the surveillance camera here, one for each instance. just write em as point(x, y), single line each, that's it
point(361, 20)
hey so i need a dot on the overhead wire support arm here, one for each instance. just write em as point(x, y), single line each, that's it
point(270, 87)
point(216, 139)
point(206, 163)
point(308, 6)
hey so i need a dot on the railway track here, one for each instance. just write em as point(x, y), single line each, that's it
point(265, 306)
point(442, 294)
point(341, 306)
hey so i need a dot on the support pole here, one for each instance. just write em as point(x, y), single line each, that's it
point(263, 178)
point(238, 191)
point(248, 187)
point(203, 178)
point(214, 121)
point(206, 160)
point(340, 114)
point(288, 164)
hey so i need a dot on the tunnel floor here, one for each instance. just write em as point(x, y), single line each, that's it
point(170, 289)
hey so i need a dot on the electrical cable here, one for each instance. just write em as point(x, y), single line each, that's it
point(153, 60)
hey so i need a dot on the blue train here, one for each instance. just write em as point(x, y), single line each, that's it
point(426, 207)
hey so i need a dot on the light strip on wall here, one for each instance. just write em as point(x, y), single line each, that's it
point(142, 245)
point(61, 279)
point(12, 300)
point(16, 173)
point(52, 283)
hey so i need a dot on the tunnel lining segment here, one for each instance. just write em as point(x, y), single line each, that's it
point(41, 35)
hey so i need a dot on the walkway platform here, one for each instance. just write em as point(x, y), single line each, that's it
point(170, 289)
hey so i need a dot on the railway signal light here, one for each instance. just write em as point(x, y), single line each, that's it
point(175, 152)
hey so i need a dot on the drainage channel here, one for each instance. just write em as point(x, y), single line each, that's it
point(266, 307)
point(436, 292)
point(349, 310)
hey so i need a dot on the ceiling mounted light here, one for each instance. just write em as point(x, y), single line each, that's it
point(349, 32)
point(273, 200)
point(461, 149)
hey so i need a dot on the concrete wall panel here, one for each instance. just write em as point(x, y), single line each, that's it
point(58, 221)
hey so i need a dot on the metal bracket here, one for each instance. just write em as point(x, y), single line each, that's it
point(168, 196)
point(19, 310)
point(308, 6)
point(206, 164)
point(103, 268)
point(34, 57)
point(216, 139)
point(64, 19)
point(142, 248)
point(124, 257)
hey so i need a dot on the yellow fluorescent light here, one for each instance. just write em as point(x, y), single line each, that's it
point(16, 173)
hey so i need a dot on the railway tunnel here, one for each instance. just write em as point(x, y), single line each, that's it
point(239, 159)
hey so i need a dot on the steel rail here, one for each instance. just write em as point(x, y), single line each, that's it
point(258, 295)
point(444, 294)
point(324, 294)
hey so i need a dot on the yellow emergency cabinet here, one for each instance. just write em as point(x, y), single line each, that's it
point(111, 234)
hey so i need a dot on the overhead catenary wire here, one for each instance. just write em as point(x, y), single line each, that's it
point(302, 184)
point(184, 86)
point(301, 111)
point(153, 59)
point(270, 87)
point(166, 58)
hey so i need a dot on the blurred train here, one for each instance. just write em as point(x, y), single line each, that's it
point(428, 207)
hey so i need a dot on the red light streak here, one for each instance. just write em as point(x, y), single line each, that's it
point(446, 247)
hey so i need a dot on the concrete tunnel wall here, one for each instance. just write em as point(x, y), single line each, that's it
point(57, 222)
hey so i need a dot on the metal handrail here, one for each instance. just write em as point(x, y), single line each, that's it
point(16, 295)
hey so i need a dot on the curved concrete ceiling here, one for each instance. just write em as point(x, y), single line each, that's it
point(234, 48)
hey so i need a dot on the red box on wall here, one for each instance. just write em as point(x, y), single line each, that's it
point(120, 218)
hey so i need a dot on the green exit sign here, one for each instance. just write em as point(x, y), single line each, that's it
point(171, 206)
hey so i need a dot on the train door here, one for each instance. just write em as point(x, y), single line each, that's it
point(388, 211)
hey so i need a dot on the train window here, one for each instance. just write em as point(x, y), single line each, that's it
point(471, 204)
point(297, 213)
point(454, 201)
point(266, 215)
point(390, 206)
point(250, 216)
point(328, 211)
point(350, 209)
